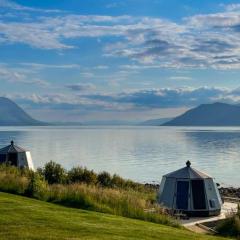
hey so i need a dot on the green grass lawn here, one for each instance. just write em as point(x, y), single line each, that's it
point(25, 218)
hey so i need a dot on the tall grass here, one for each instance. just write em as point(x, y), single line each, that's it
point(13, 180)
point(123, 202)
point(230, 226)
point(127, 203)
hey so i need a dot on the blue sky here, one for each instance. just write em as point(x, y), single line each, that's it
point(118, 60)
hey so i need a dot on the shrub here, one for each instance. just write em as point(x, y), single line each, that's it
point(78, 174)
point(75, 175)
point(117, 181)
point(37, 187)
point(89, 177)
point(104, 179)
point(53, 173)
point(230, 226)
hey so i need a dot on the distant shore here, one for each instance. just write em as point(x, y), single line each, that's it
point(230, 192)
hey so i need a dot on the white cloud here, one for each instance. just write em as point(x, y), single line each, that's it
point(180, 78)
point(199, 41)
point(16, 75)
point(101, 67)
point(231, 7)
point(81, 87)
point(144, 99)
point(15, 6)
point(44, 66)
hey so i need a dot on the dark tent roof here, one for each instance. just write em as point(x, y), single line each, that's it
point(12, 148)
point(187, 172)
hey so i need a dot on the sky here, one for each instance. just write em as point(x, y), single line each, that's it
point(132, 60)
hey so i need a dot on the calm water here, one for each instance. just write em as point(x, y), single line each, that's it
point(139, 153)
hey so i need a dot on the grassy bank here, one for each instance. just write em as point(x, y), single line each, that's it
point(25, 218)
point(231, 225)
point(133, 202)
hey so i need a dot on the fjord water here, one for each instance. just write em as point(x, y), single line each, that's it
point(140, 153)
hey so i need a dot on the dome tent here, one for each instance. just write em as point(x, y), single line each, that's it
point(190, 191)
point(16, 156)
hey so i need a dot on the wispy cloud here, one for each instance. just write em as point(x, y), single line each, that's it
point(158, 98)
point(116, 4)
point(231, 7)
point(20, 75)
point(180, 78)
point(198, 41)
point(163, 97)
point(126, 104)
point(54, 66)
point(81, 87)
point(15, 6)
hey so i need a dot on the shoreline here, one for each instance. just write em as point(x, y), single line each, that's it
point(232, 192)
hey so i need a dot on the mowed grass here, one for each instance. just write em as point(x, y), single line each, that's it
point(25, 218)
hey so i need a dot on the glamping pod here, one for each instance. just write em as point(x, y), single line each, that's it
point(191, 192)
point(16, 156)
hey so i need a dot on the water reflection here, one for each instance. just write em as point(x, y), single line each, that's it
point(217, 152)
point(140, 153)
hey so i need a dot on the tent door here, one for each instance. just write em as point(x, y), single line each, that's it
point(182, 195)
point(13, 159)
point(198, 194)
point(2, 158)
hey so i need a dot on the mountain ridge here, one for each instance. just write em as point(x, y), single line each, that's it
point(13, 115)
point(213, 114)
point(154, 122)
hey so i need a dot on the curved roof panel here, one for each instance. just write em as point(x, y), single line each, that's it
point(12, 148)
point(187, 172)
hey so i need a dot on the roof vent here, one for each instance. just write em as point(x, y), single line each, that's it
point(12, 142)
point(188, 163)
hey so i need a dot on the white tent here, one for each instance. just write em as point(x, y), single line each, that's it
point(190, 191)
point(16, 156)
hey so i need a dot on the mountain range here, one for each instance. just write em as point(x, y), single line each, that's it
point(154, 122)
point(12, 115)
point(215, 114)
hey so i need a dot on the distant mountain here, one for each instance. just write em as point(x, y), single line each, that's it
point(12, 115)
point(215, 114)
point(62, 124)
point(154, 122)
point(109, 123)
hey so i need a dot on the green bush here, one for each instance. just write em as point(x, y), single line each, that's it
point(89, 177)
point(53, 173)
point(80, 175)
point(75, 175)
point(37, 187)
point(230, 226)
point(117, 181)
point(104, 179)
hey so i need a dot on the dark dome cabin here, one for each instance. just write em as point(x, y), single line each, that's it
point(191, 192)
point(16, 156)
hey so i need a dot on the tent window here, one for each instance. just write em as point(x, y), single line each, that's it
point(212, 203)
point(182, 195)
point(198, 194)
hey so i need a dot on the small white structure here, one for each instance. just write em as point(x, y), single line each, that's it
point(16, 156)
point(190, 191)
